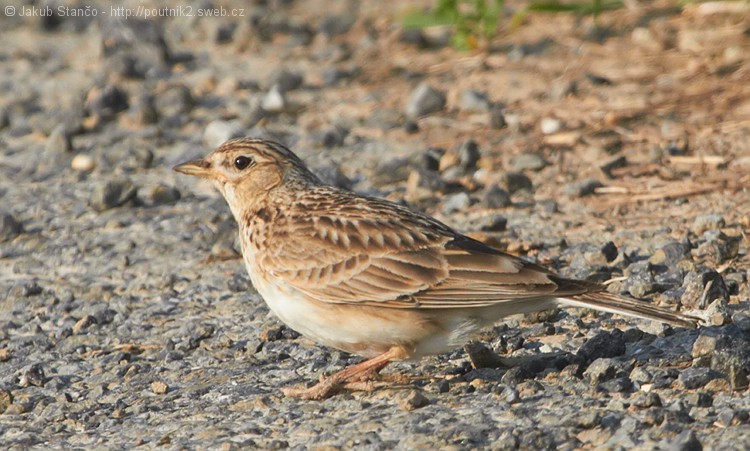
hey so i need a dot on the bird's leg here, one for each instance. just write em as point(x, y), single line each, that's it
point(328, 387)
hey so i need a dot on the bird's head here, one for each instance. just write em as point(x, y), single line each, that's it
point(246, 170)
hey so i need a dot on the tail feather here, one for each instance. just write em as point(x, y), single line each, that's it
point(612, 303)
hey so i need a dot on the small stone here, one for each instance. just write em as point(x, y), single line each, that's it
point(728, 349)
point(106, 102)
point(333, 76)
point(414, 400)
point(5, 354)
point(510, 395)
point(33, 375)
point(609, 251)
point(335, 25)
point(717, 313)
point(456, 202)
point(82, 163)
point(468, 156)
point(550, 125)
point(59, 141)
point(702, 288)
point(685, 441)
point(163, 194)
point(424, 100)
point(496, 197)
point(431, 158)
point(733, 417)
point(481, 356)
point(334, 137)
point(159, 387)
point(113, 193)
point(692, 378)
point(601, 370)
point(6, 399)
point(707, 222)
point(83, 324)
point(646, 400)
point(9, 227)
point(603, 344)
point(497, 118)
point(474, 101)
point(699, 399)
point(218, 132)
point(274, 101)
point(515, 181)
point(583, 188)
point(617, 385)
point(719, 246)
point(670, 254)
point(496, 224)
point(527, 162)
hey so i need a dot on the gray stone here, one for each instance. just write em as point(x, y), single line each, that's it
point(424, 100)
point(515, 181)
point(474, 101)
point(456, 202)
point(284, 81)
point(603, 344)
point(496, 197)
point(274, 101)
point(9, 227)
point(702, 288)
point(112, 193)
point(692, 378)
point(162, 194)
point(601, 369)
point(59, 141)
point(527, 162)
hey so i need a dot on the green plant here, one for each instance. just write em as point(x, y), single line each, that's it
point(472, 20)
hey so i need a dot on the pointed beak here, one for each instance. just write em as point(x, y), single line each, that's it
point(200, 168)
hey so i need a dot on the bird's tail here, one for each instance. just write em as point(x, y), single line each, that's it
point(613, 303)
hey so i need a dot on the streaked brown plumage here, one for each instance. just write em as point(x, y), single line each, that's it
point(371, 277)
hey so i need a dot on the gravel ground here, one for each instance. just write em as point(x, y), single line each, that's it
point(613, 153)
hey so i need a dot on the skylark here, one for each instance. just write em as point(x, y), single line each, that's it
point(373, 278)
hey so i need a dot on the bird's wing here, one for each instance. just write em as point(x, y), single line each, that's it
point(402, 260)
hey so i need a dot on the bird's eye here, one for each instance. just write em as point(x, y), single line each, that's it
point(242, 162)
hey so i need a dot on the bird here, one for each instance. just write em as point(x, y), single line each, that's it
point(374, 278)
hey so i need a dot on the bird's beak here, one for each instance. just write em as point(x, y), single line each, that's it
point(200, 168)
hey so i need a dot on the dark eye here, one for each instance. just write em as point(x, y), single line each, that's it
point(242, 162)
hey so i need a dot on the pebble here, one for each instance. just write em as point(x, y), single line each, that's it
point(59, 141)
point(9, 227)
point(600, 370)
point(728, 351)
point(497, 223)
point(424, 100)
point(456, 202)
point(496, 197)
point(218, 132)
point(414, 400)
point(32, 376)
point(468, 156)
point(83, 163)
point(602, 345)
point(515, 181)
point(527, 162)
point(684, 441)
point(719, 246)
point(699, 399)
point(474, 101)
point(497, 120)
point(550, 125)
point(163, 194)
point(106, 102)
point(670, 254)
point(702, 288)
point(481, 356)
point(159, 387)
point(692, 378)
point(112, 193)
point(274, 101)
